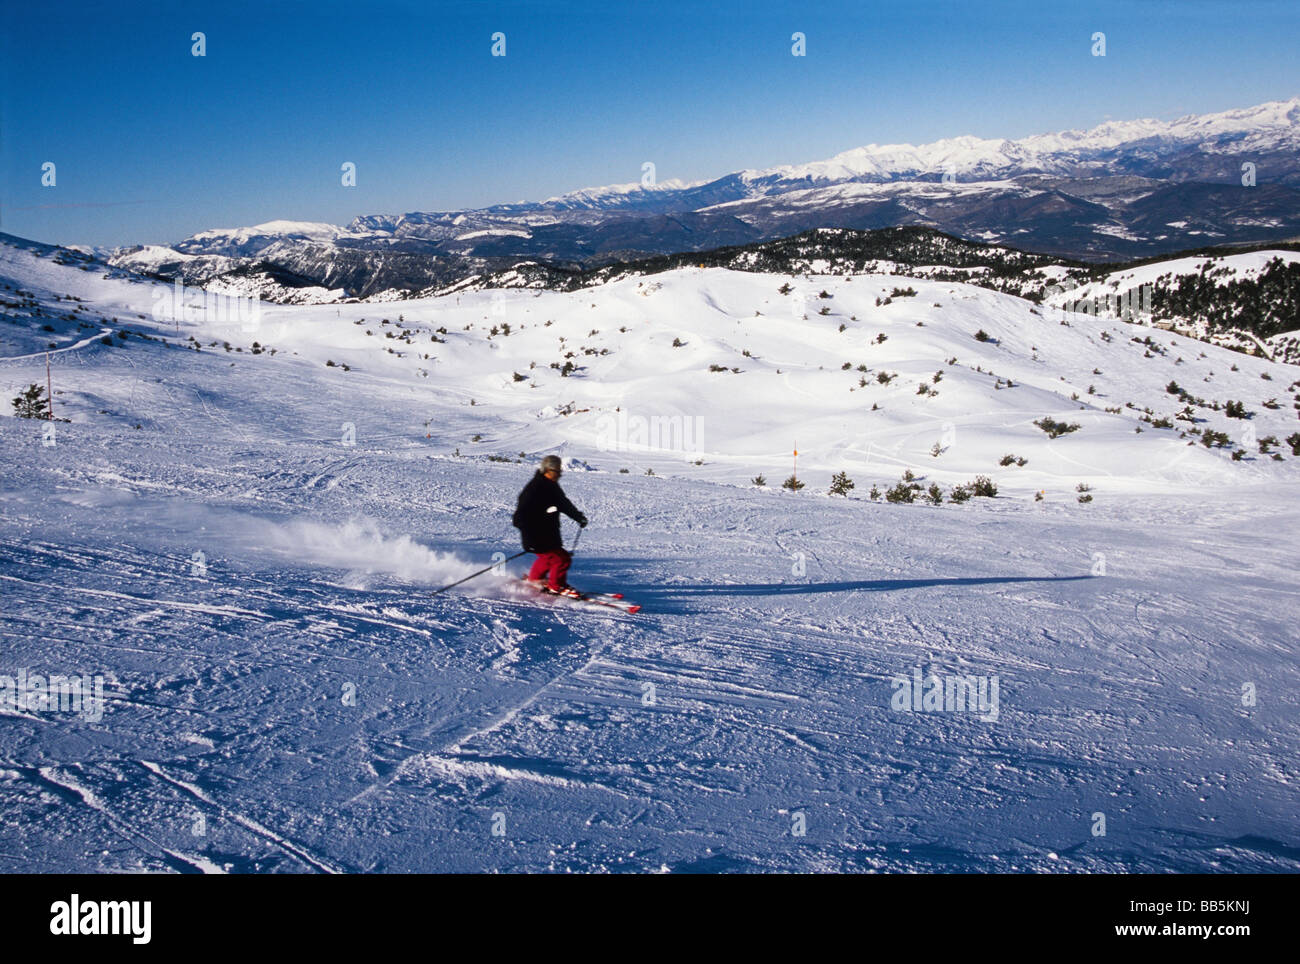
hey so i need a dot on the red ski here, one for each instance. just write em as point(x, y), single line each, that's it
point(611, 600)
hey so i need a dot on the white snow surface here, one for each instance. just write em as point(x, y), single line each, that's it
point(245, 547)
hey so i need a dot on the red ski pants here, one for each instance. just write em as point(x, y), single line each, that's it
point(556, 563)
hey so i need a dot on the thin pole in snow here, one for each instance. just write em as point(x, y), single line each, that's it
point(795, 474)
point(49, 385)
point(479, 573)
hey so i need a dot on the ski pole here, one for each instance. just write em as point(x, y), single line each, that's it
point(576, 539)
point(479, 573)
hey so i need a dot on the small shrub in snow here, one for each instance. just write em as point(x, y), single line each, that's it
point(1055, 429)
point(934, 495)
point(840, 484)
point(759, 481)
point(984, 487)
point(792, 483)
point(959, 494)
point(901, 492)
point(982, 335)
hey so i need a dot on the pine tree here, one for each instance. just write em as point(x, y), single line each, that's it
point(32, 403)
point(840, 484)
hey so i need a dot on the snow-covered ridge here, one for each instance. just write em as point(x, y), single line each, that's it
point(303, 229)
point(1275, 123)
point(598, 195)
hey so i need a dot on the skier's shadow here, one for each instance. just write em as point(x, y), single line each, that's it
point(670, 593)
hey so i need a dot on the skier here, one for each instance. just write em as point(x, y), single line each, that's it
point(537, 517)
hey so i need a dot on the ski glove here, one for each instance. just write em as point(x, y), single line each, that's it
point(582, 521)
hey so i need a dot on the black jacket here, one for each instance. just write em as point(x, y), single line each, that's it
point(539, 529)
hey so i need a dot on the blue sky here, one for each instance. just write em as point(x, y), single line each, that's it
point(152, 144)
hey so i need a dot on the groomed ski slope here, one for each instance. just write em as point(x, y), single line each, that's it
point(295, 699)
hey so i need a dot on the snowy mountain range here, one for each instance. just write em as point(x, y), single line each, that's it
point(1121, 190)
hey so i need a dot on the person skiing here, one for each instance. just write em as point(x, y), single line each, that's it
point(537, 517)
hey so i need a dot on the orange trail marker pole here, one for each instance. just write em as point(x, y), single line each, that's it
point(49, 385)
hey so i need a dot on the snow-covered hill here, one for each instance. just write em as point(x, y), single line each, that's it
point(866, 374)
point(242, 540)
point(1243, 301)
